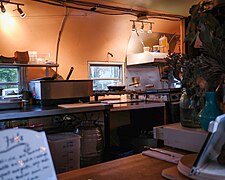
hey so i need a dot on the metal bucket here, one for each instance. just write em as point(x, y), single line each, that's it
point(92, 144)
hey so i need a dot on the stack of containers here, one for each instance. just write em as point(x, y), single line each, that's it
point(163, 44)
point(65, 151)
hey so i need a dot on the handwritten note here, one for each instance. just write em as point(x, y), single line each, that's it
point(24, 154)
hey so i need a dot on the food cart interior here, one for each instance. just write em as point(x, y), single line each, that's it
point(93, 76)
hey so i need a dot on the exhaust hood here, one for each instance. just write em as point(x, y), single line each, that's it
point(145, 57)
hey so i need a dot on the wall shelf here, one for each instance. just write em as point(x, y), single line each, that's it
point(23, 70)
point(146, 58)
point(27, 65)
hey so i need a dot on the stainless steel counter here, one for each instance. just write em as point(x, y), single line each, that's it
point(41, 111)
point(38, 111)
point(136, 105)
point(28, 112)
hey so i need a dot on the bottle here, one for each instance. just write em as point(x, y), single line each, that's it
point(164, 40)
point(161, 41)
point(165, 44)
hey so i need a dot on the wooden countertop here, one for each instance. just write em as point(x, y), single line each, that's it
point(129, 168)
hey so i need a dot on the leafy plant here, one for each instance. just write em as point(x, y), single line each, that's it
point(213, 63)
point(202, 21)
point(186, 69)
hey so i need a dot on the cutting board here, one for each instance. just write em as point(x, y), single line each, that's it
point(185, 164)
point(173, 174)
point(79, 105)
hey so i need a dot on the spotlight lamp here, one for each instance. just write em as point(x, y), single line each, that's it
point(143, 23)
point(142, 27)
point(133, 26)
point(150, 28)
point(22, 14)
point(3, 8)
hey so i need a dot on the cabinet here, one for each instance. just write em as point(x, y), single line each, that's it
point(40, 113)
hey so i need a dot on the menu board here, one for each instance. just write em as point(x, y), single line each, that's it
point(24, 154)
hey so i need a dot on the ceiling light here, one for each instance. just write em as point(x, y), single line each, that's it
point(143, 23)
point(22, 14)
point(142, 27)
point(133, 26)
point(150, 28)
point(3, 8)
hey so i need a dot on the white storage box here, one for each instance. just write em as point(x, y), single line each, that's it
point(177, 136)
point(65, 151)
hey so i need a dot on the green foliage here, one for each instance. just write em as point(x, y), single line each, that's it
point(8, 75)
point(204, 22)
point(186, 69)
point(213, 63)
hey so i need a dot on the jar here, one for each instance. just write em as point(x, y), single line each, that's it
point(189, 111)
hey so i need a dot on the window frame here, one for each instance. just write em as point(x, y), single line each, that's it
point(99, 63)
point(18, 83)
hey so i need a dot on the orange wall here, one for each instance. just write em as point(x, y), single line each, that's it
point(86, 36)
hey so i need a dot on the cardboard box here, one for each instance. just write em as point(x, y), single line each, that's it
point(177, 136)
point(65, 151)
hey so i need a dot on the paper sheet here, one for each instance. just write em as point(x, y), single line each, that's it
point(174, 158)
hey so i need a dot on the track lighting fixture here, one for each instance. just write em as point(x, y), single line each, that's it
point(150, 28)
point(142, 17)
point(142, 25)
point(133, 26)
point(22, 14)
point(3, 8)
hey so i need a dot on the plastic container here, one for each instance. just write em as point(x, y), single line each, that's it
point(163, 42)
point(92, 144)
point(156, 48)
point(65, 151)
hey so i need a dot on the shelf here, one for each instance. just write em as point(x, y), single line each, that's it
point(23, 70)
point(150, 58)
point(27, 65)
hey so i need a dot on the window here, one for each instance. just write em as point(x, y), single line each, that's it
point(104, 74)
point(9, 82)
